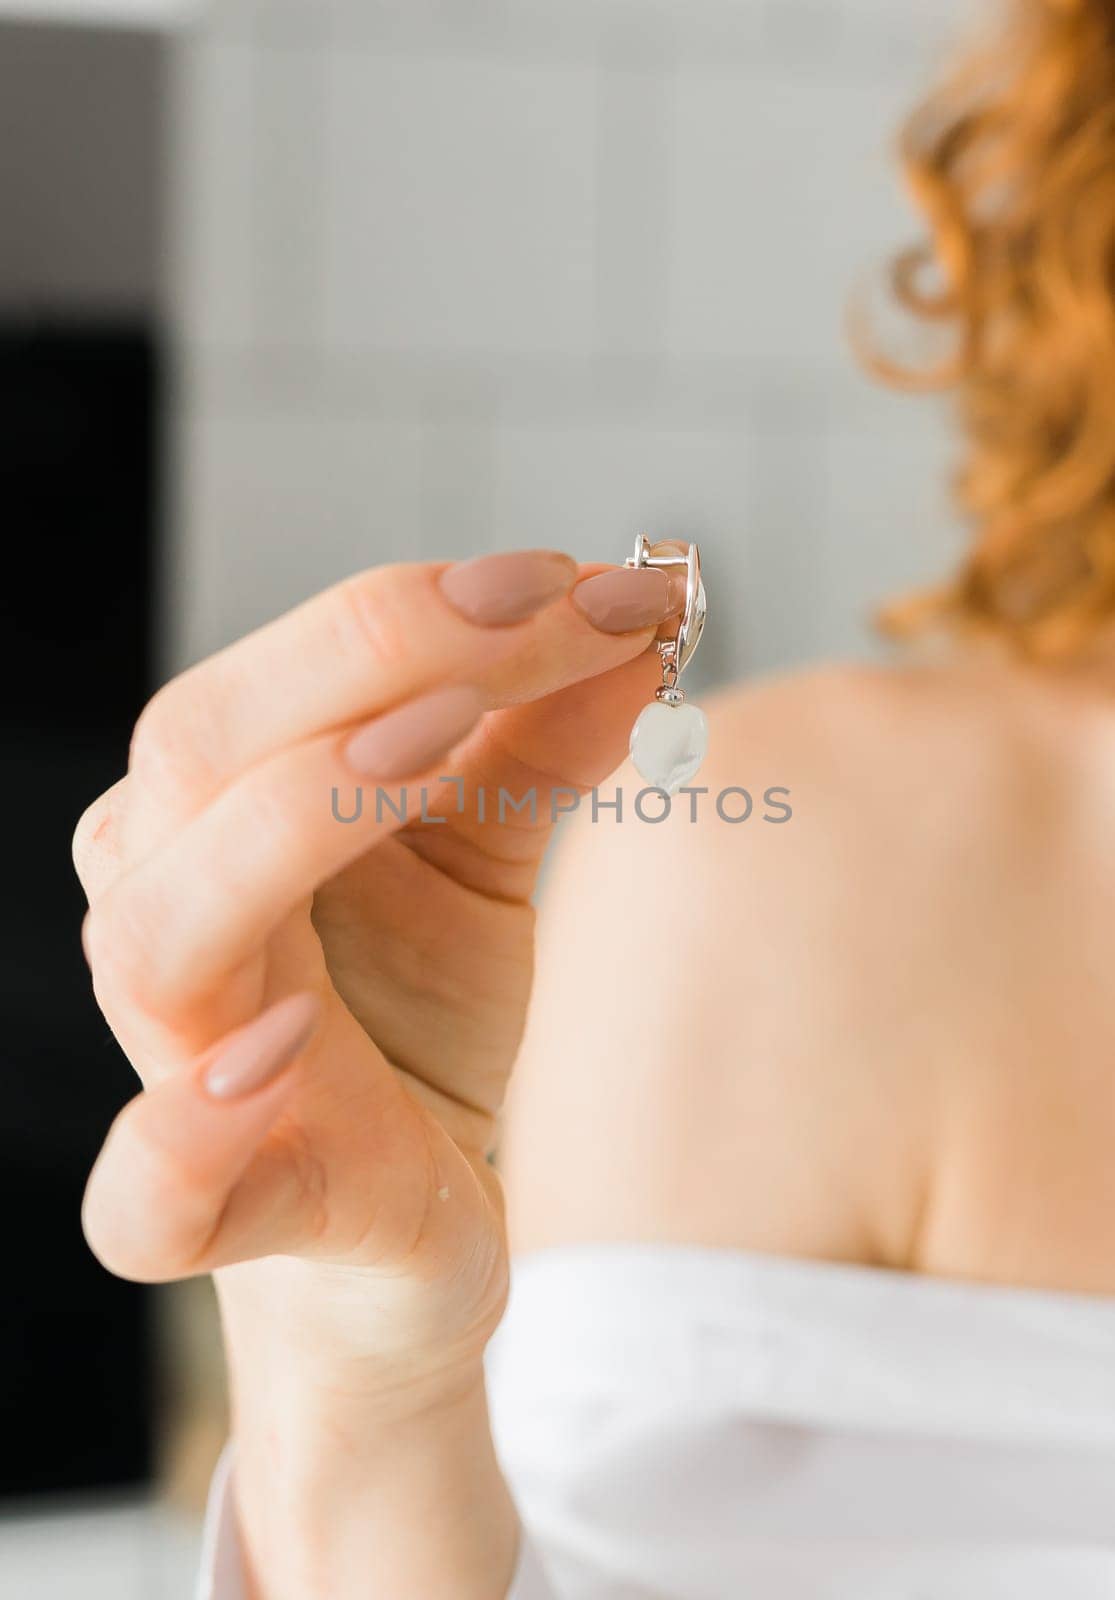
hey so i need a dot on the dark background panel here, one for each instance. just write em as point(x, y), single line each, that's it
point(81, 385)
point(77, 437)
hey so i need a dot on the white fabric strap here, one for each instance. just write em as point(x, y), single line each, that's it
point(222, 1568)
point(222, 1563)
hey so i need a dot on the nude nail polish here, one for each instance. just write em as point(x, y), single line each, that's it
point(258, 1053)
point(497, 590)
point(411, 738)
point(625, 599)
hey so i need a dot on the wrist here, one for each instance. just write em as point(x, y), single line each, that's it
point(324, 1439)
point(330, 1487)
point(299, 1326)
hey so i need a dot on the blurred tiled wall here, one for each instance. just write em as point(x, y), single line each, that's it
point(455, 275)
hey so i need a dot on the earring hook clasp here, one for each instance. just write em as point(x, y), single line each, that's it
point(680, 649)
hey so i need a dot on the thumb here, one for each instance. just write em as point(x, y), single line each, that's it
point(524, 768)
point(578, 736)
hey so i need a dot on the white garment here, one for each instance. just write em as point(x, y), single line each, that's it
point(684, 1424)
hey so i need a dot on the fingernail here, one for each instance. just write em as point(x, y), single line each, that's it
point(500, 589)
point(412, 738)
point(259, 1052)
point(624, 599)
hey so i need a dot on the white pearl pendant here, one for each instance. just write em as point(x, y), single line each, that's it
point(668, 744)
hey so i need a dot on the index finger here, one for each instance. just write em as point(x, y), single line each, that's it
point(358, 648)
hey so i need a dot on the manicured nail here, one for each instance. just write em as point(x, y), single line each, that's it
point(259, 1052)
point(625, 598)
point(412, 738)
point(500, 589)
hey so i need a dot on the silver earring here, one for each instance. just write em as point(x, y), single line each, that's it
point(670, 738)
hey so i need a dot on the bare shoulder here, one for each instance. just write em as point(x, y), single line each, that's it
point(837, 790)
point(821, 790)
point(820, 1009)
point(863, 729)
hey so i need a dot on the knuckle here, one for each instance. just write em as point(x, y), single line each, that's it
point(119, 945)
point(89, 825)
point(152, 736)
point(95, 847)
point(275, 824)
point(171, 740)
point(369, 622)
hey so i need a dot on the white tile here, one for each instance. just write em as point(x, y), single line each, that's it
point(212, 189)
point(777, 594)
point(461, 205)
point(866, 33)
point(781, 196)
point(888, 523)
point(276, 507)
point(288, 193)
point(535, 29)
point(246, 221)
point(589, 488)
point(457, 489)
point(226, 19)
point(541, 265)
point(633, 243)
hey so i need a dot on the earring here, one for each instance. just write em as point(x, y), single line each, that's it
point(670, 738)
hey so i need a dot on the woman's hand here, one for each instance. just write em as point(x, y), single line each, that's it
point(324, 1012)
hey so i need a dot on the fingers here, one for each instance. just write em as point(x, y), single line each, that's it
point(353, 650)
point(156, 1196)
point(286, 1140)
point(173, 928)
point(372, 642)
point(534, 763)
point(96, 842)
point(168, 932)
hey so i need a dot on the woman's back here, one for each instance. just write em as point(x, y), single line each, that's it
point(877, 1032)
point(876, 1035)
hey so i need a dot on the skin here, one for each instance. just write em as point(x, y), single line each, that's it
point(889, 1034)
point(348, 1210)
point(877, 1033)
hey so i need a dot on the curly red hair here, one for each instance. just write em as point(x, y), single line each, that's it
point(1012, 163)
